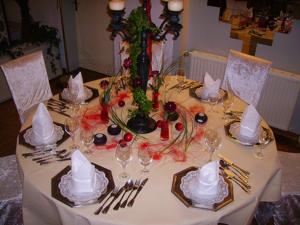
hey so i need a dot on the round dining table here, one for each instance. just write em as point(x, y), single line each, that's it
point(155, 204)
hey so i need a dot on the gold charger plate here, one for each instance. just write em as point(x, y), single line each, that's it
point(188, 202)
point(267, 132)
point(223, 94)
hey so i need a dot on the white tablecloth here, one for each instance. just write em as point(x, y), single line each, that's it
point(155, 204)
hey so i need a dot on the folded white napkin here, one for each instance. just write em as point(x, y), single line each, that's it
point(208, 180)
point(210, 87)
point(83, 174)
point(42, 126)
point(77, 82)
point(250, 122)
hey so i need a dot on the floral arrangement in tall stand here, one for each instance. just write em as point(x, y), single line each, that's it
point(139, 31)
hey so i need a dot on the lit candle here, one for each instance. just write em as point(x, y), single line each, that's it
point(116, 5)
point(175, 5)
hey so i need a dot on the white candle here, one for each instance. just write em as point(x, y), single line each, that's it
point(175, 5)
point(116, 5)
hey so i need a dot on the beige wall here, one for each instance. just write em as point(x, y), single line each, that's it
point(95, 49)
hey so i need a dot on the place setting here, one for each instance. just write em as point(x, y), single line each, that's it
point(209, 92)
point(76, 92)
point(210, 187)
point(248, 130)
point(83, 183)
point(44, 136)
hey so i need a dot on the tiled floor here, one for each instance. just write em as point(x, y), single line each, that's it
point(10, 125)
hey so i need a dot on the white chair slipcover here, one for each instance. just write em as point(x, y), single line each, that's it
point(11, 191)
point(245, 75)
point(28, 81)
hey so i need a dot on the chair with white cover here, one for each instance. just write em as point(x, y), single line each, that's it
point(245, 76)
point(28, 81)
point(11, 191)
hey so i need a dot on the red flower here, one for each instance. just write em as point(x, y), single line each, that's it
point(170, 107)
point(127, 63)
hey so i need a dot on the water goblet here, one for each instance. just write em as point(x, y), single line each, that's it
point(213, 100)
point(145, 158)
point(258, 150)
point(71, 125)
point(227, 104)
point(87, 138)
point(123, 156)
point(212, 140)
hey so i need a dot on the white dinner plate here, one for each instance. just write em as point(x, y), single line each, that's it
point(221, 95)
point(66, 189)
point(29, 136)
point(188, 184)
point(65, 94)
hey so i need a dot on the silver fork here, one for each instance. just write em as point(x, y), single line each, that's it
point(112, 194)
point(135, 186)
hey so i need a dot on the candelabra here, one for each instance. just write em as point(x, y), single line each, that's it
point(170, 24)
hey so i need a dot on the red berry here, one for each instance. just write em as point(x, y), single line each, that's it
point(127, 63)
point(104, 84)
point(158, 123)
point(128, 136)
point(121, 103)
point(179, 126)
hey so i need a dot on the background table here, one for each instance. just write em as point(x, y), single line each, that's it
point(156, 204)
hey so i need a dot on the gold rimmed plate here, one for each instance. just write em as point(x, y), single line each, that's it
point(263, 137)
point(223, 94)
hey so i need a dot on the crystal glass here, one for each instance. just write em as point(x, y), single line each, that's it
point(145, 158)
point(258, 151)
point(123, 156)
point(227, 103)
point(87, 138)
point(73, 96)
point(212, 140)
point(212, 102)
point(71, 125)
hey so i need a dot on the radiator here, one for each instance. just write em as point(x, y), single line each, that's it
point(278, 98)
point(201, 62)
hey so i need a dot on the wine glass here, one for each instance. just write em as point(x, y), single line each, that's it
point(123, 156)
point(263, 141)
point(212, 140)
point(213, 100)
point(73, 97)
point(71, 125)
point(227, 104)
point(145, 158)
point(87, 138)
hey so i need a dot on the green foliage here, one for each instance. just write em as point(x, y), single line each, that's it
point(136, 23)
point(40, 34)
point(144, 104)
